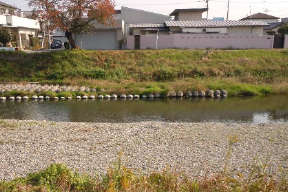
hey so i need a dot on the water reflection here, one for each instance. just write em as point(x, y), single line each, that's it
point(253, 109)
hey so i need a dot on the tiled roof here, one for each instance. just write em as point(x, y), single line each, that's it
point(272, 26)
point(259, 16)
point(210, 23)
point(188, 10)
point(147, 25)
point(7, 5)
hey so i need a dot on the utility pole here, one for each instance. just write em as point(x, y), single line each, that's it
point(207, 6)
point(228, 10)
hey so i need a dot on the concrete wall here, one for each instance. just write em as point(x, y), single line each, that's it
point(286, 42)
point(134, 16)
point(203, 41)
point(245, 30)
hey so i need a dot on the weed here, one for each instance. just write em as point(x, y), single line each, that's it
point(232, 140)
point(8, 125)
point(64, 94)
point(50, 94)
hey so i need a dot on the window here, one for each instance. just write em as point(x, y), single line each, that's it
point(2, 11)
point(11, 12)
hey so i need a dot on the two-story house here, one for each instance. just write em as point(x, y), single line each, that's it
point(22, 28)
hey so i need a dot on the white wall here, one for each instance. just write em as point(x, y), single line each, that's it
point(203, 41)
point(3, 20)
point(22, 22)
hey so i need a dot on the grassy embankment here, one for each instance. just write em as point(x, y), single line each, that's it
point(240, 72)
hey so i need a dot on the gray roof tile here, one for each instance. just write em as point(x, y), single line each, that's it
point(210, 23)
point(260, 16)
point(145, 25)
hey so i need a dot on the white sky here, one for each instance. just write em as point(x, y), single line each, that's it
point(217, 8)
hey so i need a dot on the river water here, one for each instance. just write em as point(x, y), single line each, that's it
point(232, 109)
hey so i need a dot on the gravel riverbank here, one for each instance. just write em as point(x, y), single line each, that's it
point(196, 148)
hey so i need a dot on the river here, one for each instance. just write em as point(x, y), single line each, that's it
point(232, 109)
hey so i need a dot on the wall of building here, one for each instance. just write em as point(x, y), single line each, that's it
point(22, 22)
point(286, 42)
point(275, 29)
point(3, 20)
point(134, 16)
point(6, 10)
point(266, 20)
point(203, 30)
point(189, 16)
point(203, 41)
point(245, 30)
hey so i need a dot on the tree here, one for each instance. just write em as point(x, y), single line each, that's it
point(283, 29)
point(5, 35)
point(74, 16)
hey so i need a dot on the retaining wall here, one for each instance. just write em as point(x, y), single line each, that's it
point(203, 41)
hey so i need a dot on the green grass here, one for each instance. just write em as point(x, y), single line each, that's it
point(240, 72)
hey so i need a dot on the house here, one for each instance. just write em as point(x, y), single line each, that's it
point(6, 9)
point(262, 17)
point(190, 30)
point(22, 28)
point(113, 36)
point(272, 28)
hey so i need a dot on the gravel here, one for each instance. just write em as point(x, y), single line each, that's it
point(195, 148)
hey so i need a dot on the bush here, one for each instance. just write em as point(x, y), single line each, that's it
point(34, 42)
point(5, 35)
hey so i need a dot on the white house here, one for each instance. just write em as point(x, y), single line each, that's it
point(22, 28)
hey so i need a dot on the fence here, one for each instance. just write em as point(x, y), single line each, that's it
point(203, 41)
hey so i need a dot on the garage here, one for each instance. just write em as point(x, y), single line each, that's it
point(98, 40)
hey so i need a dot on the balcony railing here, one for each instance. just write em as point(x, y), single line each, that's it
point(15, 21)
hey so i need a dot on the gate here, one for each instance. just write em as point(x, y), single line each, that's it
point(278, 42)
point(137, 41)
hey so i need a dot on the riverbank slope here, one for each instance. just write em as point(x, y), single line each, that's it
point(195, 148)
point(240, 72)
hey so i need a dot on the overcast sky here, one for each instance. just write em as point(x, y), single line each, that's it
point(217, 8)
